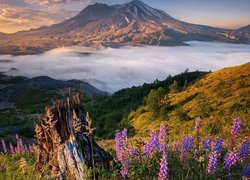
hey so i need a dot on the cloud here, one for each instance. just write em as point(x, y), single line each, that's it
point(57, 2)
point(14, 19)
point(113, 69)
point(49, 2)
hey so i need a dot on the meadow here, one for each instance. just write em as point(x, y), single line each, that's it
point(191, 157)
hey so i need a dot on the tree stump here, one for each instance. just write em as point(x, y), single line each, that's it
point(65, 141)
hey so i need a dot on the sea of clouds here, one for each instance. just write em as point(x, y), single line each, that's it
point(113, 69)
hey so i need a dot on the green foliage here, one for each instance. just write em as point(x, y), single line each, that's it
point(174, 88)
point(19, 167)
point(154, 98)
point(181, 114)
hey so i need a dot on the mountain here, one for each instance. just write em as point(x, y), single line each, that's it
point(134, 23)
point(244, 33)
point(244, 29)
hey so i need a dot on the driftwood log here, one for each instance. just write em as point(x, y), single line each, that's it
point(65, 141)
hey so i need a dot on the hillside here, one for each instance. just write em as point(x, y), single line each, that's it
point(110, 113)
point(130, 24)
point(176, 102)
point(217, 98)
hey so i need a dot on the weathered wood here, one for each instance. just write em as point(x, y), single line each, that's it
point(65, 140)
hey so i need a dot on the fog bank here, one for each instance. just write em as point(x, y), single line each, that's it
point(113, 69)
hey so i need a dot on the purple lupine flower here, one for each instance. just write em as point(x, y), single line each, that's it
point(244, 151)
point(197, 124)
point(154, 142)
point(125, 167)
point(119, 145)
point(163, 173)
point(217, 146)
point(124, 135)
point(246, 170)
point(21, 145)
point(132, 151)
point(212, 162)
point(121, 140)
point(236, 127)
point(12, 150)
point(214, 155)
point(163, 148)
point(4, 146)
point(162, 138)
point(187, 144)
point(162, 134)
point(207, 143)
point(231, 159)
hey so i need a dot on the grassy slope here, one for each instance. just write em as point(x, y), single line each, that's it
point(111, 112)
point(218, 97)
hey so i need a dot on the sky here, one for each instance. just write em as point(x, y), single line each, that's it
point(16, 15)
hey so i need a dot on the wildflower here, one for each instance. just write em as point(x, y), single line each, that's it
point(121, 154)
point(163, 148)
point(231, 159)
point(214, 155)
point(236, 127)
point(187, 144)
point(124, 135)
point(197, 124)
point(4, 147)
point(154, 142)
point(244, 151)
point(119, 145)
point(162, 134)
point(218, 145)
point(125, 167)
point(12, 150)
point(163, 174)
point(212, 162)
point(207, 143)
point(201, 159)
point(132, 151)
point(246, 171)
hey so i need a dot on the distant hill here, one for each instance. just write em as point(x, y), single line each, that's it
point(22, 99)
point(217, 98)
point(11, 87)
point(130, 24)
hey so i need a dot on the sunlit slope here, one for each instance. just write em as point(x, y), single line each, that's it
point(217, 97)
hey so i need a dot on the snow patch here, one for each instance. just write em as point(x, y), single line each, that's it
point(125, 17)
